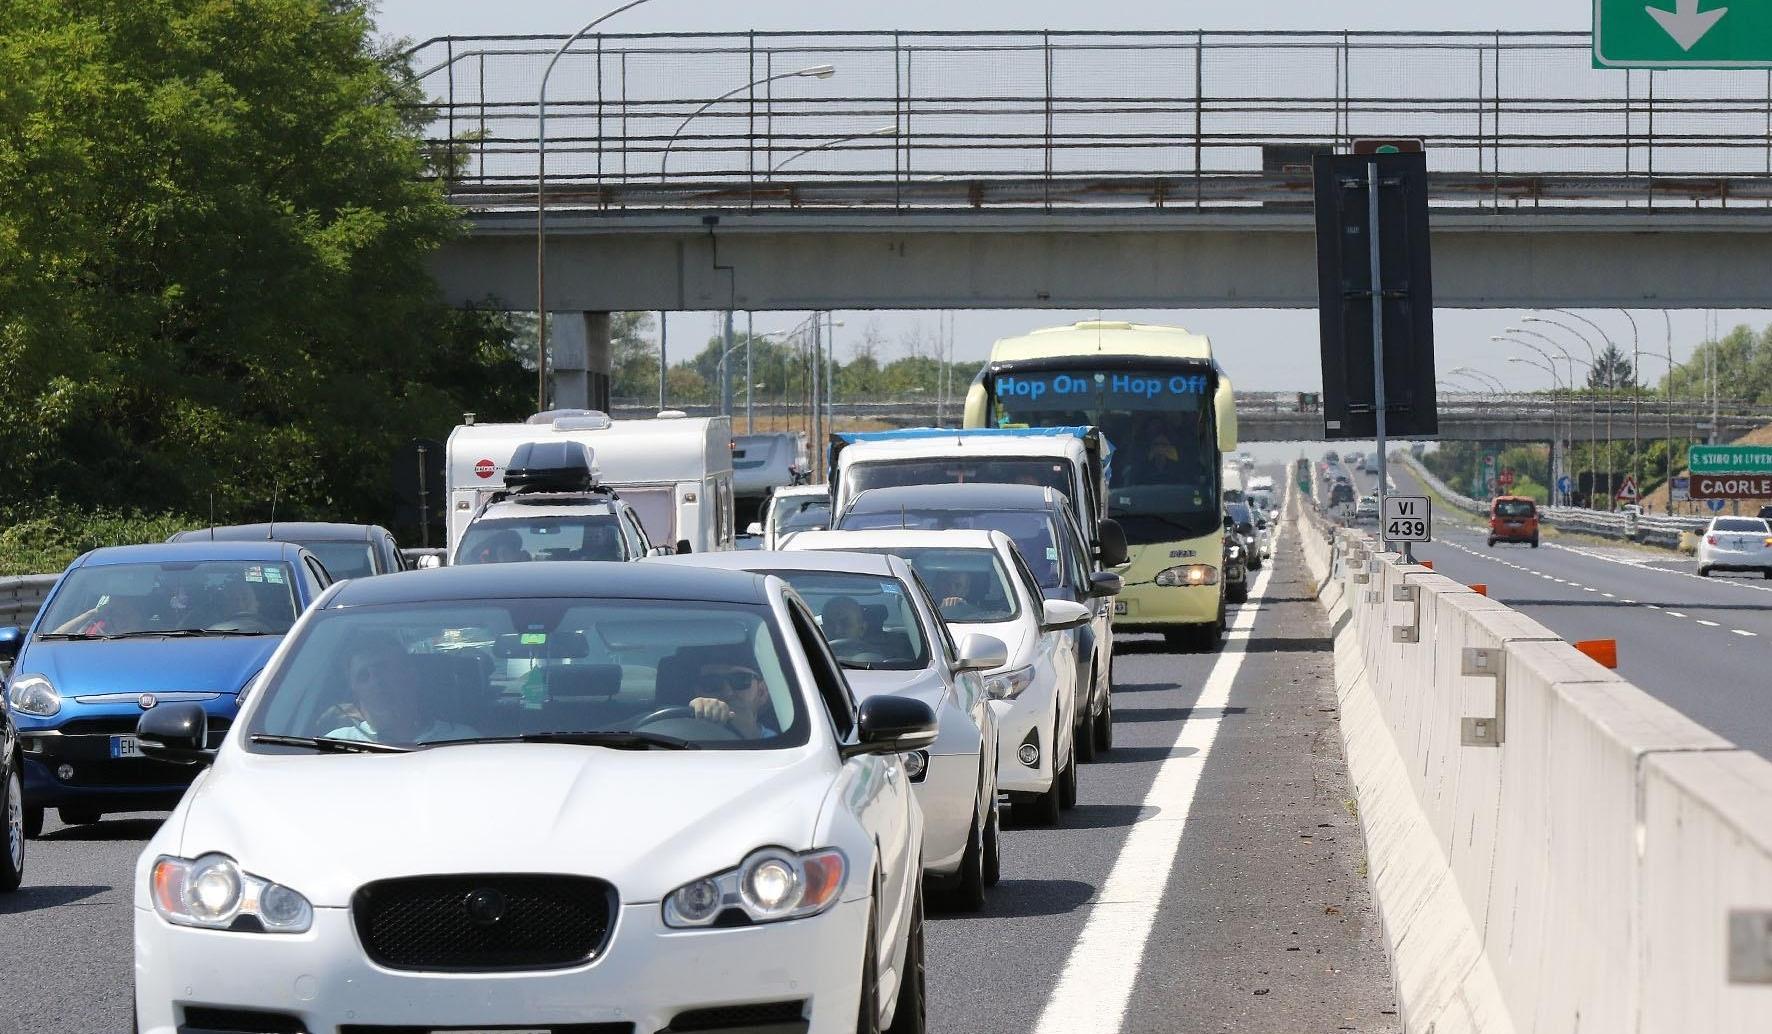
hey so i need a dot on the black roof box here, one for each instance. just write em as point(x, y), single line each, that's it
point(551, 467)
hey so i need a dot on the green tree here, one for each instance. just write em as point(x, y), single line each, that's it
point(212, 260)
point(1612, 371)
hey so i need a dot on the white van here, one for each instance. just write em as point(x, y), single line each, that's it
point(1073, 460)
point(676, 472)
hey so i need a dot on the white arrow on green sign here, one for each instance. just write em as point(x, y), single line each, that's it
point(1730, 459)
point(1682, 34)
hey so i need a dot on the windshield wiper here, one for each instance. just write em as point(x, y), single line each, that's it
point(617, 740)
point(189, 633)
point(72, 635)
point(330, 745)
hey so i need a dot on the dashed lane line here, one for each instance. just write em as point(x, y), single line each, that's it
point(1745, 632)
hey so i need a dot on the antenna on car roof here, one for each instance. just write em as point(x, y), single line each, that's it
point(212, 515)
point(271, 528)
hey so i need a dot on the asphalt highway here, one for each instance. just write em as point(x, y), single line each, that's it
point(1212, 877)
point(1702, 645)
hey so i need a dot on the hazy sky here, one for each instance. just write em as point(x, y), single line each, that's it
point(1264, 350)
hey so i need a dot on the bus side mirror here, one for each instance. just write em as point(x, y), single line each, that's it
point(1113, 543)
point(684, 548)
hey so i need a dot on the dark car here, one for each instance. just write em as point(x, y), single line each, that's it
point(1044, 527)
point(345, 550)
point(12, 805)
point(1241, 520)
point(127, 629)
point(1765, 513)
point(1236, 571)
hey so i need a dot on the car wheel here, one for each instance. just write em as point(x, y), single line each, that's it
point(12, 841)
point(867, 1019)
point(1043, 809)
point(1535, 542)
point(1083, 733)
point(1703, 572)
point(1767, 572)
point(1104, 725)
point(1491, 543)
point(909, 1016)
point(1238, 593)
point(33, 822)
point(77, 816)
point(993, 847)
point(1067, 785)
point(967, 893)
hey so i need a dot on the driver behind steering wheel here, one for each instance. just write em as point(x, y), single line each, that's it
point(737, 697)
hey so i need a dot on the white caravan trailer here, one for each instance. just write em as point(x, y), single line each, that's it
point(675, 471)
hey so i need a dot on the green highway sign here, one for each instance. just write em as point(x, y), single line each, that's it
point(1730, 459)
point(1682, 34)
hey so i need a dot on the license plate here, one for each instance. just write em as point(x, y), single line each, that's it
point(1119, 606)
point(125, 747)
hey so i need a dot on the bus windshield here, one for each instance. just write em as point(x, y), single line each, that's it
point(1163, 486)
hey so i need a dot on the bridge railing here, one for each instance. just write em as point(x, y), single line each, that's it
point(1081, 120)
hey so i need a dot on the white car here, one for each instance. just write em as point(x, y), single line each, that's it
point(982, 585)
point(677, 818)
point(889, 637)
point(1736, 544)
point(794, 509)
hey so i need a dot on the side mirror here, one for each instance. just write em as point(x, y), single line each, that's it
point(12, 640)
point(753, 528)
point(980, 652)
point(684, 548)
point(662, 551)
point(429, 562)
point(1105, 583)
point(888, 724)
point(1113, 543)
point(175, 732)
point(1058, 615)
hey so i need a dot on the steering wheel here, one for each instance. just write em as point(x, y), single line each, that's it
point(702, 729)
point(670, 712)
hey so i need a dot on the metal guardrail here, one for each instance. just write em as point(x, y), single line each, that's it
point(1050, 120)
point(22, 596)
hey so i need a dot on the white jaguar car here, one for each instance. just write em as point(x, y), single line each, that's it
point(982, 585)
point(889, 637)
point(541, 797)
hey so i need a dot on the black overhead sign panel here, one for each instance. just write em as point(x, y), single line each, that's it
point(1344, 284)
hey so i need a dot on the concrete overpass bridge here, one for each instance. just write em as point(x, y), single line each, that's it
point(1169, 170)
point(1279, 417)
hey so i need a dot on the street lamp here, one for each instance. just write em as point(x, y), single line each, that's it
point(815, 72)
point(541, 204)
point(882, 131)
point(1636, 410)
point(1611, 378)
point(1488, 380)
point(1593, 366)
point(1550, 359)
point(1550, 364)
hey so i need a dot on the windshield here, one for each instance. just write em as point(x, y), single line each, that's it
point(707, 674)
point(222, 596)
point(1239, 512)
point(950, 470)
point(1032, 530)
point(344, 559)
point(802, 513)
point(549, 537)
point(869, 620)
point(1163, 484)
point(969, 585)
point(1514, 508)
point(1739, 524)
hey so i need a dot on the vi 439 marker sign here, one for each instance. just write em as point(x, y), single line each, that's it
point(1408, 518)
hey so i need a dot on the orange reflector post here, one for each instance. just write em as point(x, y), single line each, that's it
point(1480, 589)
point(1429, 564)
point(1604, 651)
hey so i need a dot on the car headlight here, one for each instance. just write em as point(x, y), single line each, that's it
point(34, 695)
point(1007, 685)
point(1192, 574)
point(211, 892)
point(771, 885)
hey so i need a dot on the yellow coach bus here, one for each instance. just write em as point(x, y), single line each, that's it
point(1170, 415)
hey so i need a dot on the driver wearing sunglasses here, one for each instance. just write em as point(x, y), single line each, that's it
point(737, 697)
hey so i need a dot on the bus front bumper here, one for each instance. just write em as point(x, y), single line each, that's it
point(1157, 608)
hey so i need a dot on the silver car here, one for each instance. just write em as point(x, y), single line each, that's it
point(888, 636)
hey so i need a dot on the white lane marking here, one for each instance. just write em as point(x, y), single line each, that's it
point(1653, 606)
point(1750, 635)
point(1649, 565)
point(1091, 994)
point(1675, 614)
point(1608, 595)
point(1708, 624)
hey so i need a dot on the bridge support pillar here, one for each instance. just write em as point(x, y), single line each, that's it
point(582, 363)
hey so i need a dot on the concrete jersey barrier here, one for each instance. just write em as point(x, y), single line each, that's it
point(1584, 875)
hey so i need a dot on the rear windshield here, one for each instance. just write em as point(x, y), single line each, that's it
point(554, 537)
point(222, 597)
point(1032, 530)
point(1515, 508)
point(1739, 524)
point(969, 585)
point(344, 559)
point(946, 470)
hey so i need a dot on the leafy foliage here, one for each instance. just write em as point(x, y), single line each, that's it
point(212, 261)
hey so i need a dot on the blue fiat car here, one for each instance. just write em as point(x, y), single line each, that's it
point(126, 629)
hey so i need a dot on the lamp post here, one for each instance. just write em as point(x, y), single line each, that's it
point(1593, 431)
point(815, 72)
point(1550, 364)
point(1611, 379)
point(1488, 380)
point(828, 144)
point(1569, 362)
point(541, 203)
point(1636, 409)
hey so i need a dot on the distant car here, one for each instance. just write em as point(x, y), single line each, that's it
point(1366, 509)
point(12, 805)
point(1236, 571)
point(552, 509)
point(1331, 457)
point(1513, 518)
point(1242, 520)
point(795, 509)
point(345, 550)
point(1736, 544)
point(888, 636)
point(1341, 493)
point(128, 629)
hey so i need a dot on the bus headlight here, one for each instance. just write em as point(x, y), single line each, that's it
point(1191, 574)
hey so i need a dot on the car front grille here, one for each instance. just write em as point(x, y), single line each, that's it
point(484, 923)
point(774, 1017)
